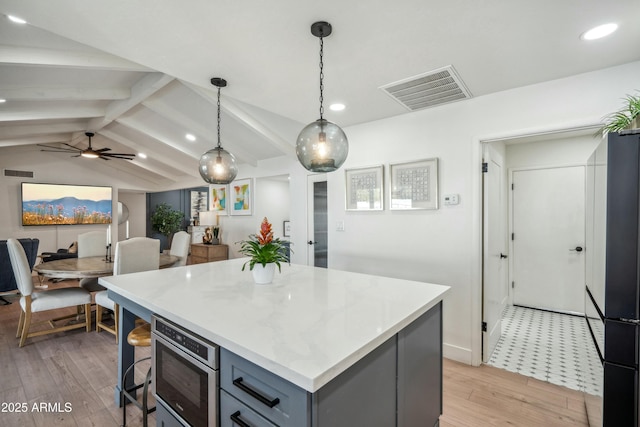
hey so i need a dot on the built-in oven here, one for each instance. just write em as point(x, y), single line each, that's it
point(184, 375)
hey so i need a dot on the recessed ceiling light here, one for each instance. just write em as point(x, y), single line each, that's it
point(16, 19)
point(190, 137)
point(142, 155)
point(337, 107)
point(599, 31)
point(2, 100)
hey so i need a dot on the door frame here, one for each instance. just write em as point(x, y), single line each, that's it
point(311, 179)
point(474, 357)
point(491, 154)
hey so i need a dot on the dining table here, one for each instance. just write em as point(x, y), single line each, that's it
point(87, 267)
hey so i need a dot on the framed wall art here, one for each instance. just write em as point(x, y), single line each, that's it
point(219, 199)
point(414, 185)
point(198, 203)
point(364, 189)
point(241, 197)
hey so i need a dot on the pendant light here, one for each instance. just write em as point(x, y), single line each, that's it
point(322, 146)
point(218, 166)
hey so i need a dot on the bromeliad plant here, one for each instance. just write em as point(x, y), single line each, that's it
point(263, 248)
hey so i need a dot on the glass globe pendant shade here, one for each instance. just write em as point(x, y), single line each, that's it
point(218, 166)
point(322, 146)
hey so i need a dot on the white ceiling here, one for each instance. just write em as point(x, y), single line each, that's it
point(137, 73)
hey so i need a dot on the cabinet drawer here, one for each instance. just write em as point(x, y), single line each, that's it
point(278, 400)
point(232, 411)
point(199, 251)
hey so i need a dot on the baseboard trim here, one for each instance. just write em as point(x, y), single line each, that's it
point(459, 354)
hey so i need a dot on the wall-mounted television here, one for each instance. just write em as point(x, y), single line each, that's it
point(62, 204)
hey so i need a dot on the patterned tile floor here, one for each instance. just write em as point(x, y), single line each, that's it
point(549, 346)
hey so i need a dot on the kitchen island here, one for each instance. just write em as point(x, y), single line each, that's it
point(358, 348)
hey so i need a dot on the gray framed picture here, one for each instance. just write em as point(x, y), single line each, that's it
point(364, 188)
point(414, 185)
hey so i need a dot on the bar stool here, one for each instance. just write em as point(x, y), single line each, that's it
point(138, 337)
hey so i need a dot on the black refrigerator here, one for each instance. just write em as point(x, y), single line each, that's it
point(612, 303)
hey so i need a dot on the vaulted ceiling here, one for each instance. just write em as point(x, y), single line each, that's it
point(137, 73)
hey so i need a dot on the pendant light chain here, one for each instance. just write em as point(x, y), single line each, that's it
point(218, 117)
point(321, 77)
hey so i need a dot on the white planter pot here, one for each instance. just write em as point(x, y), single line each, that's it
point(263, 275)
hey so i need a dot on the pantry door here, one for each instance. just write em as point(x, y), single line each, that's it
point(548, 238)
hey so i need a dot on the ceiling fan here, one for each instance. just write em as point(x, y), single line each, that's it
point(89, 153)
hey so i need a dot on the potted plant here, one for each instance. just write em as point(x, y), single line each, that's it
point(265, 253)
point(626, 118)
point(166, 220)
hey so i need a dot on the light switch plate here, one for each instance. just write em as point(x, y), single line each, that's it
point(451, 199)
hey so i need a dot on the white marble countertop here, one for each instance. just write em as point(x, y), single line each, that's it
point(307, 327)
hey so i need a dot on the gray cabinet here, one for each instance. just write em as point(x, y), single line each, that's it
point(397, 384)
point(270, 396)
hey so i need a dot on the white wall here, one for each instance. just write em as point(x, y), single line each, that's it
point(136, 202)
point(56, 169)
point(441, 246)
point(561, 151)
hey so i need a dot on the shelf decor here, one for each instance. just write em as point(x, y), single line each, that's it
point(241, 197)
point(414, 185)
point(364, 189)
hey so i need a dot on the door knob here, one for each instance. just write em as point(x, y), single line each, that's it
point(502, 256)
point(577, 249)
point(311, 243)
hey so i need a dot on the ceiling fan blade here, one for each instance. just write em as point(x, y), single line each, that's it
point(118, 157)
point(57, 149)
point(72, 147)
point(119, 154)
point(100, 150)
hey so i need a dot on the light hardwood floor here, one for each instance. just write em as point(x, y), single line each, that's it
point(79, 368)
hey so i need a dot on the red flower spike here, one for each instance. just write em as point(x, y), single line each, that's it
point(266, 234)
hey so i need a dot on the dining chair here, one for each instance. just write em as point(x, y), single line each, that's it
point(180, 247)
point(92, 243)
point(33, 302)
point(131, 256)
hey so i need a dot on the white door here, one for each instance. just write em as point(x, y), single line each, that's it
point(494, 280)
point(317, 226)
point(548, 238)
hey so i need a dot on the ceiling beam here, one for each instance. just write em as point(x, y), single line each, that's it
point(141, 90)
point(63, 93)
point(66, 59)
point(31, 140)
point(177, 116)
point(234, 110)
point(18, 131)
point(174, 162)
point(67, 111)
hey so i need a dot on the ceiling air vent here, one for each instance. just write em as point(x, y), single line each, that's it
point(433, 88)
point(18, 174)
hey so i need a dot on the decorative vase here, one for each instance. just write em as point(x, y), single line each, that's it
point(263, 275)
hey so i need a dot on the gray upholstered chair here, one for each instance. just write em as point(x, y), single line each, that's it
point(92, 243)
point(131, 256)
point(33, 302)
point(180, 247)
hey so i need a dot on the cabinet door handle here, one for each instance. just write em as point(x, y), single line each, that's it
point(251, 392)
point(235, 417)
